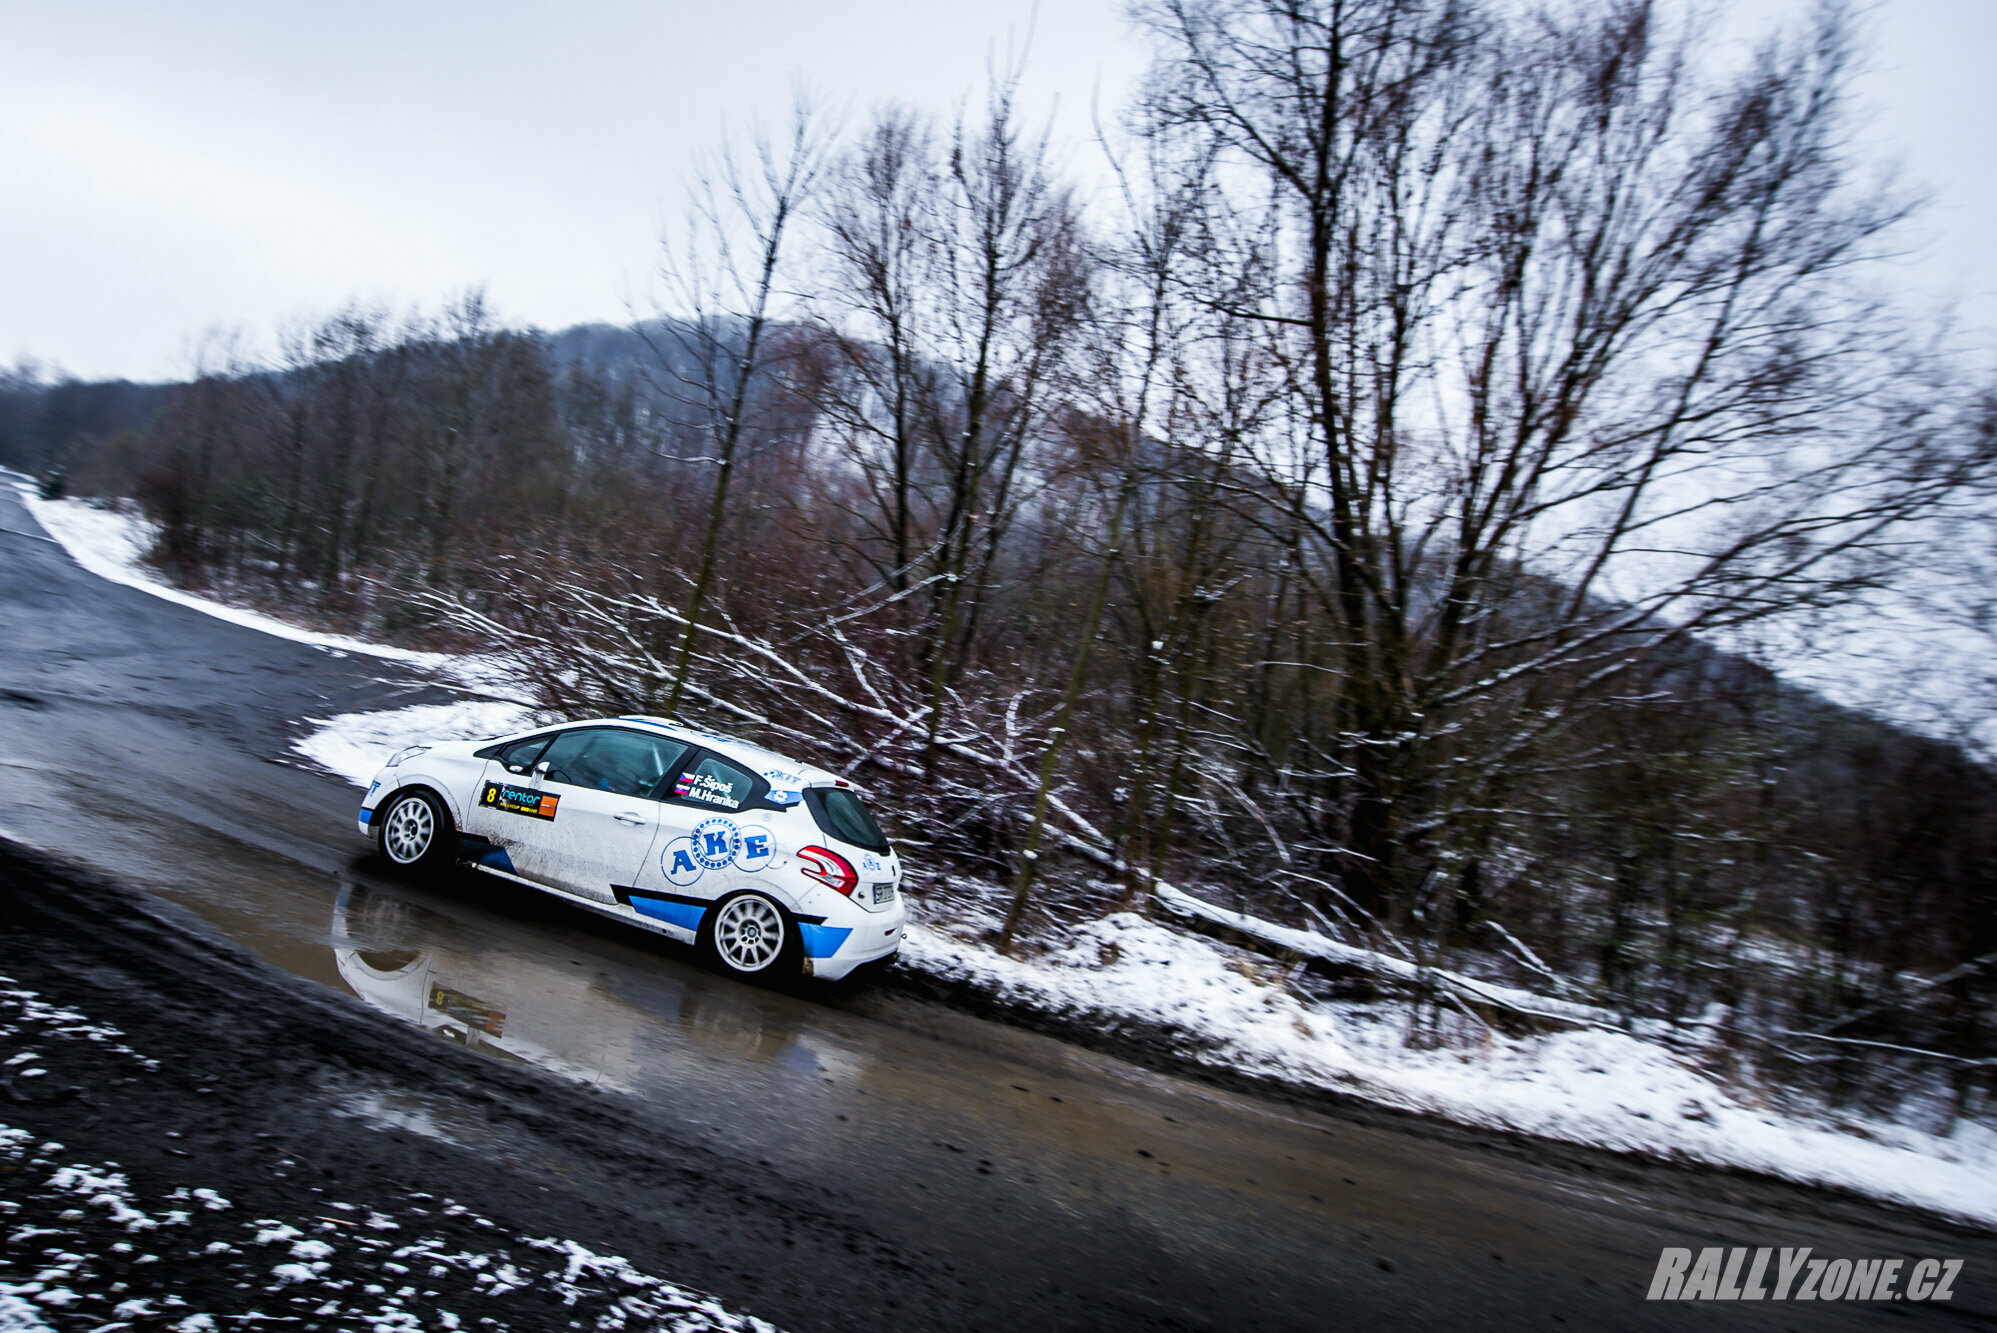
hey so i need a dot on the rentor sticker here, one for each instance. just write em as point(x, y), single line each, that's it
point(520, 800)
point(473, 1013)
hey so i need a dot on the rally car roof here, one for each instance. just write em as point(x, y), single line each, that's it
point(780, 769)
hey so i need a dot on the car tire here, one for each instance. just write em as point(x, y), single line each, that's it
point(414, 831)
point(750, 935)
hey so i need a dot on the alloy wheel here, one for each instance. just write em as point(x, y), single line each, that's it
point(409, 831)
point(749, 933)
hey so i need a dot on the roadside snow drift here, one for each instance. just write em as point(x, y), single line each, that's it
point(1601, 1088)
point(355, 745)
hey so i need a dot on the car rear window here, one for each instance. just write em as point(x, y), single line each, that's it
point(843, 815)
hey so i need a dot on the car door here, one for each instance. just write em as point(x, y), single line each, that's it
point(714, 836)
point(491, 815)
point(589, 809)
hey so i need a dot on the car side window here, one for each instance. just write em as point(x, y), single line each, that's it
point(522, 755)
point(715, 783)
point(613, 760)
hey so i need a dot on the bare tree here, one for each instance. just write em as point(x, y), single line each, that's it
point(880, 224)
point(1007, 281)
point(462, 351)
point(1126, 391)
point(344, 347)
point(1575, 363)
point(725, 277)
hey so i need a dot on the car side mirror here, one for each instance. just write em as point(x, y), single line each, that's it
point(541, 769)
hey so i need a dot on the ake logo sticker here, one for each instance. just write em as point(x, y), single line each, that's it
point(716, 844)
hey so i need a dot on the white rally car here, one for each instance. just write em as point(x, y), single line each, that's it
point(766, 864)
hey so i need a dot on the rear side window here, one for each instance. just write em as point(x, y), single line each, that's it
point(715, 782)
point(843, 815)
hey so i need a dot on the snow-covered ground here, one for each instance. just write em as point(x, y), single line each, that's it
point(82, 1242)
point(1605, 1088)
point(354, 745)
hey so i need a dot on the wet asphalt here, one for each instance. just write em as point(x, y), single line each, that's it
point(1063, 1187)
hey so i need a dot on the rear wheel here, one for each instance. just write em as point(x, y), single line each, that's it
point(750, 935)
point(414, 831)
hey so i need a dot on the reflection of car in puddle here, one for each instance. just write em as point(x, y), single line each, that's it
point(621, 1031)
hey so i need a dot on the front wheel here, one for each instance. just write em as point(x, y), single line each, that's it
point(415, 831)
point(750, 936)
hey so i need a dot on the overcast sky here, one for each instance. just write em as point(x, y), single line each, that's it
point(169, 168)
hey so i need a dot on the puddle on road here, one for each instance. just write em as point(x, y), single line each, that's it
point(429, 1117)
point(631, 1018)
point(882, 1094)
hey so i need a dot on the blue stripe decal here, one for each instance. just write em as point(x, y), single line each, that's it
point(498, 860)
point(684, 915)
point(822, 941)
point(367, 815)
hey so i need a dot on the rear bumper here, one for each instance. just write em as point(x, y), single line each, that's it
point(862, 942)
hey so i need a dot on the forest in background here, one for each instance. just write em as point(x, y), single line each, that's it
point(1360, 511)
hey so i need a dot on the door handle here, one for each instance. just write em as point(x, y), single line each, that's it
point(628, 817)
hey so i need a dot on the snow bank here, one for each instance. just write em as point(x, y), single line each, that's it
point(607, 1289)
point(17, 1316)
point(1604, 1089)
point(112, 544)
point(355, 745)
point(1309, 944)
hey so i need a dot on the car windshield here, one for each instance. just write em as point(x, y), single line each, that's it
point(843, 815)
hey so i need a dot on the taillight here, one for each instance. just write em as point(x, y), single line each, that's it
point(830, 869)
